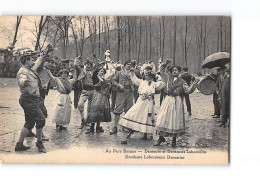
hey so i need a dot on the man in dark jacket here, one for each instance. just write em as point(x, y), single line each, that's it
point(188, 78)
point(225, 98)
point(138, 75)
point(77, 84)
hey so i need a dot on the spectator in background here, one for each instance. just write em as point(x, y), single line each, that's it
point(114, 89)
point(188, 78)
point(138, 75)
point(77, 84)
point(225, 98)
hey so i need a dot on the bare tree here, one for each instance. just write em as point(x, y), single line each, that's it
point(39, 30)
point(62, 23)
point(18, 22)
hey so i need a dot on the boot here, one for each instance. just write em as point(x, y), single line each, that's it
point(114, 131)
point(173, 142)
point(40, 147)
point(58, 128)
point(20, 147)
point(82, 124)
point(159, 141)
point(91, 130)
point(145, 136)
point(99, 130)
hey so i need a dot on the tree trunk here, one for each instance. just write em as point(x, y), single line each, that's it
point(174, 40)
point(118, 37)
point(18, 21)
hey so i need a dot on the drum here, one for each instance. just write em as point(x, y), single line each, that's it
point(207, 86)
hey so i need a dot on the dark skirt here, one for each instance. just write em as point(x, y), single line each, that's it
point(99, 110)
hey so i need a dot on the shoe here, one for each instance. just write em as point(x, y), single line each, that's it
point(216, 116)
point(44, 138)
point(189, 113)
point(114, 131)
point(124, 142)
point(30, 134)
point(20, 147)
point(222, 124)
point(58, 128)
point(82, 124)
point(159, 141)
point(99, 130)
point(89, 131)
point(40, 147)
point(63, 128)
point(173, 144)
point(145, 136)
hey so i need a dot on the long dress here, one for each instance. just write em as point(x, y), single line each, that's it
point(62, 102)
point(170, 120)
point(140, 117)
point(99, 110)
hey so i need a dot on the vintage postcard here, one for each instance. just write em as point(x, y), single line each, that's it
point(115, 89)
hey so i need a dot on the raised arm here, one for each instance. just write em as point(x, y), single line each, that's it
point(51, 76)
point(134, 79)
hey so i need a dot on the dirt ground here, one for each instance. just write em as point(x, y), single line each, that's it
point(201, 130)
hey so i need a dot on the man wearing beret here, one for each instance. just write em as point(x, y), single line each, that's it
point(125, 93)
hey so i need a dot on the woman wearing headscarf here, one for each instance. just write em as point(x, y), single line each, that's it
point(170, 120)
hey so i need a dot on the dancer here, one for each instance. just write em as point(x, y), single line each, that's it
point(125, 93)
point(62, 102)
point(30, 88)
point(87, 88)
point(141, 115)
point(170, 120)
point(99, 109)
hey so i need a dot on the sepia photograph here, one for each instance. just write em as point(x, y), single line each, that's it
point(115, 89)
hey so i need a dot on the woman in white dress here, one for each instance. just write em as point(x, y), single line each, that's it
point(62, 103)
point(141, 115)
point(170, 120)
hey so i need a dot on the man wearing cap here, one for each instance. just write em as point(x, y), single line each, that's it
point(138, 75)
point(41, 65)
point(125, 93)
point(31, 89)
point(87, 88)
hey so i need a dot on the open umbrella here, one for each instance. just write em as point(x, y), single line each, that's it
point(216, 60)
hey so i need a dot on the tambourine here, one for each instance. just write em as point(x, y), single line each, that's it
point(207, 86)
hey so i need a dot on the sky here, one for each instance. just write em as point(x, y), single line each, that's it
point(24, 37)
